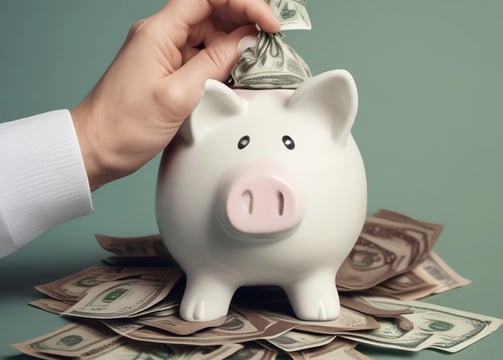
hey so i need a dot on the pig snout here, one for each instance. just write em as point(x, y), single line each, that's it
point(263, 199)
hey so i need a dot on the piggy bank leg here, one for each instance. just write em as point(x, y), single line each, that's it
point(314, 297)
point(206, 298)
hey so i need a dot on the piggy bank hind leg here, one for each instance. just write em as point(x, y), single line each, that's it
point(314, 297)
point(206, 297)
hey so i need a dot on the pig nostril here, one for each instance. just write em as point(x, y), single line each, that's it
point(281, 203)
point(247, 202)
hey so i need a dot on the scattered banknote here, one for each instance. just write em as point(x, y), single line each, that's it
point(295, 340)
point(74, 340)
point(386, 248)
point(80, 341)
point(130, 309)
point(435, 327)
point(348, 320)
point(123, 298)
point(143, 246)
point(73, 287)
point(338, 349)
point(432, 276)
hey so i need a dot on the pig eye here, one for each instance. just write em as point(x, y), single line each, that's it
point(288, 142)
point(243, 142)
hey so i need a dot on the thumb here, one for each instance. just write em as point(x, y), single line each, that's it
point(215, 61)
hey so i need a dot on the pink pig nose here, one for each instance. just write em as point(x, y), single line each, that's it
point(263, 200)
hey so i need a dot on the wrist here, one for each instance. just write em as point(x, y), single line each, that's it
point(88, 147)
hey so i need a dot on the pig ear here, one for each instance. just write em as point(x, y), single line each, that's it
point(331, 95)
point(219, 103)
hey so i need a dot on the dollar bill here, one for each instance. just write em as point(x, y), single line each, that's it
point(295, 340)
point(119, 299)
point(139, 246)
point(73, 287)
point(401, 218)
point(51, 305)
point(166, 307)
point(74, 340)
point(435, 327)
point(339, 349)
point(292, 14)
point(253, 351)
point(348, 320)
point(95, 342)
point(174, 324)
point(270, 64)
point(406, 286)
point(151, 351)
point(385, 249)
point(432, 276)
point(434, 270)
point(358, 304)
point(344, 353)
point(239, 327)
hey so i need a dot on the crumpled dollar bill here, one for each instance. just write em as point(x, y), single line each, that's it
point(271, 63)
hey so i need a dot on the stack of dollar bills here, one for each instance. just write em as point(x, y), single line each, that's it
point(128, 307)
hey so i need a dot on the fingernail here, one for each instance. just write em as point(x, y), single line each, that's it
point(246, 42)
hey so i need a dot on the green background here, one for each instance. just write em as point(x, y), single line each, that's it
point(429, 128)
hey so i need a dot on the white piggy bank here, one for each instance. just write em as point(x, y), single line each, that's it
point(264, 187)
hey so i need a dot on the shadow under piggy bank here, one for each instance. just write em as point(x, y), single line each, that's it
point(264, 187)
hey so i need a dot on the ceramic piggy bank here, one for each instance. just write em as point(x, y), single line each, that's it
point(264, 187)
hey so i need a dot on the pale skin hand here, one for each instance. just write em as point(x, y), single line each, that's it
point(157, 79)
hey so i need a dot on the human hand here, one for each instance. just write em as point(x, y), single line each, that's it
point(157, 79)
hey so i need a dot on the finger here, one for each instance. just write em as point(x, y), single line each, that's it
point(201, 34)
point(179, 16)
point(184, 88)
point(227, 20)
point(194, 45)
point(218, 57)
point(258, 12)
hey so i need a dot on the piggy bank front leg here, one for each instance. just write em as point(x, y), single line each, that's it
point(206, 297)
point(314, 297)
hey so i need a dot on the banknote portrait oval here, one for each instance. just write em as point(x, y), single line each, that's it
point(232, 324)
point(114, 295)
point(438, 325)
point(285, 339)
point(88, 281)
point(154, 354)
point(244, 354)
point(366, 259)
point(70, 340)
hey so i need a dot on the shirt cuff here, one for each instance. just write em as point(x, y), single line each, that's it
point(43, 181)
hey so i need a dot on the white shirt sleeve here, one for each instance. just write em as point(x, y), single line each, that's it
point(43, 181)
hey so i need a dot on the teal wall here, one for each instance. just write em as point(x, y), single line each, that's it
point(430, 121)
